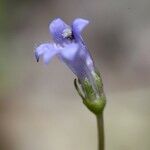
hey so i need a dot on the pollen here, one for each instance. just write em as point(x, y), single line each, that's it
point(67, 33)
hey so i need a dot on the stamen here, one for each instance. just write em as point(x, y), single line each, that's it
point(67, 34)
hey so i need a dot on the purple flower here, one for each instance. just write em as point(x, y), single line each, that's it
point(69, 47)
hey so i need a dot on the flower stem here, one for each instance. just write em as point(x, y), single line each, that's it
point(100, 127)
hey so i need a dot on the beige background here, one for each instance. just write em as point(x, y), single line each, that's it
point(39, 107)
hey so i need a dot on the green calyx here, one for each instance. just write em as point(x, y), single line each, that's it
point(94, 100)
point(96, 106)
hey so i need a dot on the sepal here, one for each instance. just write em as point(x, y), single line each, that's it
point(78, 89)
point(95, 102)
point(96, 106)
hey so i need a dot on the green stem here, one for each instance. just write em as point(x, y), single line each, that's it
point(100, 127)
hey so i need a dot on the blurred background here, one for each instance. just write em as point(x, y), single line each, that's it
point(39, 107)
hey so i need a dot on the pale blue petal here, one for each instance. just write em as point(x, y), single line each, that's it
point(79, 24)
point(56, 28)
point(47, 50)
point(77, 58)
point(69, 51)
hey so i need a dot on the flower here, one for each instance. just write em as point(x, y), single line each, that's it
point(69, 47)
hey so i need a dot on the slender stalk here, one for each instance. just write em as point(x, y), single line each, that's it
point(100, 127)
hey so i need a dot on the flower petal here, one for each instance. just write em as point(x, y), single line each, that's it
point(57, 27)
point(78, 59)
point(79, 24)
point(69, 51)
point(46, 50)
